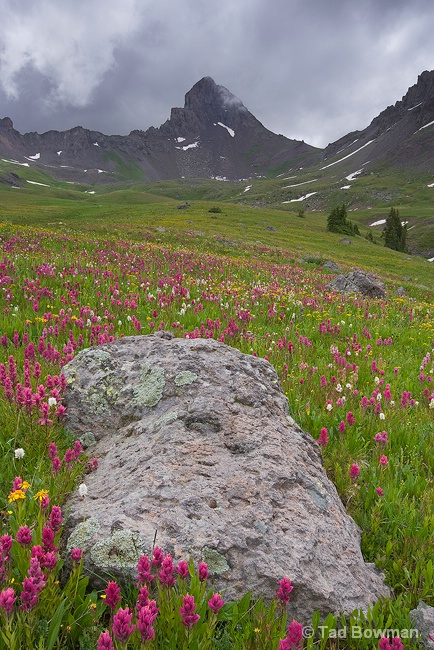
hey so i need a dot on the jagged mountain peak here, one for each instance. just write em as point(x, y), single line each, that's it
point(206, 93)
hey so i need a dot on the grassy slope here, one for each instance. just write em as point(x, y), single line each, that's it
point(247, 219)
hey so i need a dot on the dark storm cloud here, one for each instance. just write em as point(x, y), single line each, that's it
point(310, 69)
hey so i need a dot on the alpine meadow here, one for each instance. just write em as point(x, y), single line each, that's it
point(212, 227)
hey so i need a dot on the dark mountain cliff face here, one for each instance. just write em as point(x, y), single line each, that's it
point(214, 135)
point(401, 135)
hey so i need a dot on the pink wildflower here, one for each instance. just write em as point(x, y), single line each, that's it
point(49, 561)
point(92, 465)
point(182, 569)
point(76, 555)
point(145, 619)
point(379, 491)
point(203, 571)
point(342, 426)
point(384, 461)
point(294, 638)
point(38, 578)
point(144, 570)
point(29, 595)
point(285, 588)
point(113, 594)
point(323, 437)
point(56, 464)
point(354, 471)
point(18, 481)
point(24, 536)
point(38, 552)
point(48, 539)
point(121, 624)
point(382, 437)
point(105, 642)
point(6, 542)
point(158, 556)
point(52, 451)
point(167, 570)
point(142, 597)
point(384, 644)
point(78, 449)
point(350, 418)
point(215, 603)
point(7, 600)
point(187, 611)
point(55, 520)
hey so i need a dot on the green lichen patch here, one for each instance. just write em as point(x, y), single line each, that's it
point(82, 533)
point(149, 391)
point(102, 395)
point(98, 356)
point(97, 404)
point(119, 551)
point(216, 561)
point(185, 378)
point(87, 439)
point(171, 416)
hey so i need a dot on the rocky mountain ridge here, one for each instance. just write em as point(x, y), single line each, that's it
point(401, 136)
point(215, 136)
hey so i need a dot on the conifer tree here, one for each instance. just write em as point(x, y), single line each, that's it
point(337, 221)
point(395, 233)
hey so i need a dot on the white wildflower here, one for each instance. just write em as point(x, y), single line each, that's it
point(377, 381)
point(382, 416)
point(82, 490)
point(19, 453)
point(52, 401)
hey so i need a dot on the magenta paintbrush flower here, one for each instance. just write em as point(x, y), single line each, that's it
point(285, 588)
point(187, 611)
point(121, 624)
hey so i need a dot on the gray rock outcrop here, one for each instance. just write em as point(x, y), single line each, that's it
point(358, 282)
point(196, 446)
point(423, 619)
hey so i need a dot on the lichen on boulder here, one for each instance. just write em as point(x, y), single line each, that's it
point(198, 451)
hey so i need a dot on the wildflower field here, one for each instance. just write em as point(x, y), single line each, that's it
point(359, 377)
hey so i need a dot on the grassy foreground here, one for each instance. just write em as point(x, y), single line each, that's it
point(359, 376)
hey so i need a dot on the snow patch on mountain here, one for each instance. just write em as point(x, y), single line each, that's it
point(35, 183)
point(297, 184)
point(348, 156)
point(425, 126)
point(229, 130)
point(15, 162)
point(352, 176)
point(302, 198)
point(189, 146)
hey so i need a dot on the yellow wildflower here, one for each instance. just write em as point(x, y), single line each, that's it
point(40, 495)
point(16, 495)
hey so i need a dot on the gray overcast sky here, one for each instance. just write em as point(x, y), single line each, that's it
point(309, 69)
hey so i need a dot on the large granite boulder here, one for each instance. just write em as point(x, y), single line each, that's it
point(197, 450)
point(358, 282)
